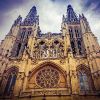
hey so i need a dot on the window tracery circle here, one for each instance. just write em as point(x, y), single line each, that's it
point(47, 77)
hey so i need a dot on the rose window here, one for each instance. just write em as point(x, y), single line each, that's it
point(47, 77)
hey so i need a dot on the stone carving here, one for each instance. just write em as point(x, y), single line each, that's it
point(54, 49)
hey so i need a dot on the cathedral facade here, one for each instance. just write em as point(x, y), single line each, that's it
point(33, 63)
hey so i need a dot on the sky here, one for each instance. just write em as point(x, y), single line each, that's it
point(50, 13)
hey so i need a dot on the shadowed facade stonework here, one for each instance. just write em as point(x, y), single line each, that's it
point(33, 63)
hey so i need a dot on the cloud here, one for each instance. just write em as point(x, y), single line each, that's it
point(95, 4)
point(50, 13)
point(6, 5)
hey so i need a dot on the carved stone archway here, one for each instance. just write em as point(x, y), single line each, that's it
point(8, 81)
point(85, 79)
point(49, 79)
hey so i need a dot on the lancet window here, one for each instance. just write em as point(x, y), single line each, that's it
point(84, 80)
point(9, 84)
point(18, 49)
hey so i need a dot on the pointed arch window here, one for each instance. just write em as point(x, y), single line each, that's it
point(29, 31)
point(10, 83)
point(18, 49)
point(79, 47)
point(83, 80)
point(23, 33)
point(73, 47)
point(70, 30)
point(71, 35)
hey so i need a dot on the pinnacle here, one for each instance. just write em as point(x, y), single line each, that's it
point(69, 6)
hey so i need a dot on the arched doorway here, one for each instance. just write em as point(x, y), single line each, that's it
point(85, 79)
point(49, 79)
point(8, 81)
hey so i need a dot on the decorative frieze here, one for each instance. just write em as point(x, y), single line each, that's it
point(41, 92)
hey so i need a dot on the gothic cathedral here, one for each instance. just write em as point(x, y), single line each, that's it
point(37, 64)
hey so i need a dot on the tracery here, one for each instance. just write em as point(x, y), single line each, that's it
point(47, 77)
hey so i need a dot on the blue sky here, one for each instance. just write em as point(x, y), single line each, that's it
point(50, 13)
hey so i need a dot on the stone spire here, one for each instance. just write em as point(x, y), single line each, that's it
point(63, 19)
point(17, 21)
point(32, 17)
point(88, 29)
point(71, 15)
